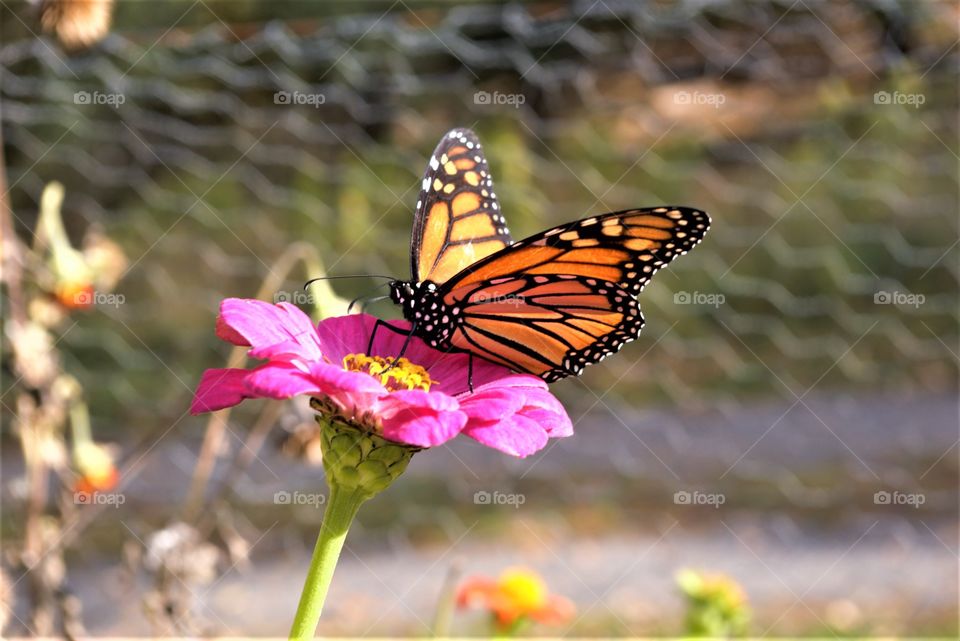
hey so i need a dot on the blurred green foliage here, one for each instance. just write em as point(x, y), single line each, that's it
point(716, 605)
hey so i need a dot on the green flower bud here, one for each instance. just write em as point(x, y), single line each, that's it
point(357, 459)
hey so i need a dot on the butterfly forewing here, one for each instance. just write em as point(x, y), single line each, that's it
point(457, 220)
point(626, 247)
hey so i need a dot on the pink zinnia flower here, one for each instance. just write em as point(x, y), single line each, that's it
point(424, 400)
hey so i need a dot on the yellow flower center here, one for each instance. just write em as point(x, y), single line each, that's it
point(394, 374)
point(524, 590)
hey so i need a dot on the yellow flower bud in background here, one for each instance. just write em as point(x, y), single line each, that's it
point(94, 463)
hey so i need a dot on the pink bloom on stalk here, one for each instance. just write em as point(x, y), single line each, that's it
point(424, 400)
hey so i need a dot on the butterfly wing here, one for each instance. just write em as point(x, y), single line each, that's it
point(565, 298)
point(457, 221)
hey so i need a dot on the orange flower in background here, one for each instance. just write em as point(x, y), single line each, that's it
point(519, 594)
point(75, 278)
point(97, 472)
point(74, 295)
point(77, 23)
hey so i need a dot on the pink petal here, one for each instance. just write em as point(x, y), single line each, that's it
point(226, 333)
point(485, 372)
point(279, 380)
point(544, 408)
point(281, 330)
point(499, 412)
point(342, 335)
point(451, 370)
point(491, 404)
point(518, 380)
point(389, 342)
point(219, 388)
point(424, 419)
point(351, 335)
point(354, 392)
point(516, 435)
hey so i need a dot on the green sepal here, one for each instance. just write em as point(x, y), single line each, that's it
point(357, 459)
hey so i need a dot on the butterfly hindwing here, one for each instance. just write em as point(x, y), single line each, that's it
point(457, 220)
point(551, 326)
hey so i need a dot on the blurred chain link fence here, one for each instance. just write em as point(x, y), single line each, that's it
point(820, 136)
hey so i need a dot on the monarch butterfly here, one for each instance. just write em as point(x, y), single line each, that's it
point(547, 305)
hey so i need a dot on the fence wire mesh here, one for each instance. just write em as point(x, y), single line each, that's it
point(809, 344)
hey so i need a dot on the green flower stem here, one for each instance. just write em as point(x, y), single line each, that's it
point(359, 465)
point(341, 509)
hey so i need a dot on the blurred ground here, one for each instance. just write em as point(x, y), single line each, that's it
point(603, 529)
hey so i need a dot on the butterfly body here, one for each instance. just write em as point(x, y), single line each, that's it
point(549, 304)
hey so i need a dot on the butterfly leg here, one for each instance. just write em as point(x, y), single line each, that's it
point(373, 334)
point(406, 343)
point(470, 371)
point(396, 330)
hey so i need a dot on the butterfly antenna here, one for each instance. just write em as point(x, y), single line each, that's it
point(365, 295)
point(366, 299)
point(313, 280)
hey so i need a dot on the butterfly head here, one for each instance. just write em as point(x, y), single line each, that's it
point(408, 295)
